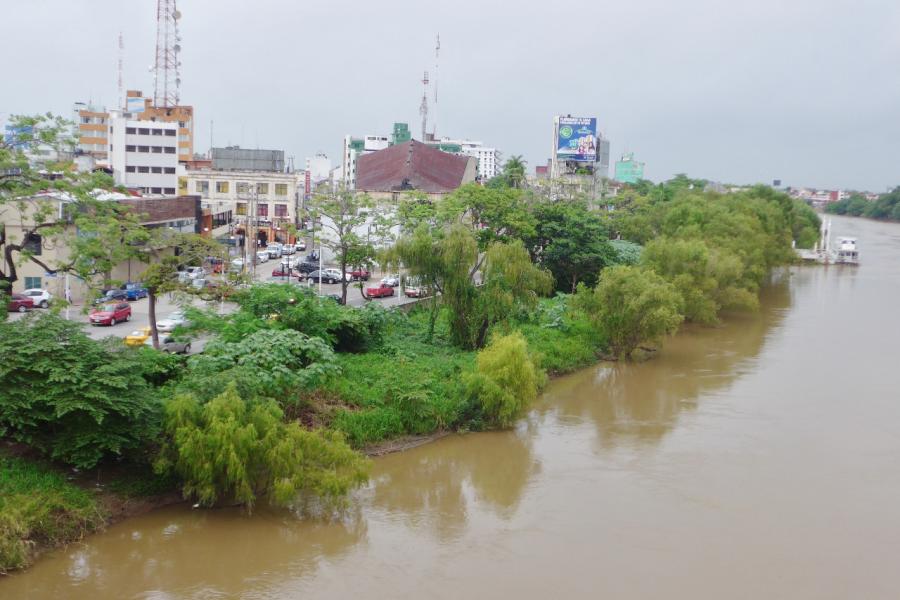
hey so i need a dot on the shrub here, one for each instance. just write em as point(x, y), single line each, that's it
point(71, 397)
point(505, 380)
point(228, 450)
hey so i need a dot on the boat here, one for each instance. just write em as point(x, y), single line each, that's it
point(845, 252)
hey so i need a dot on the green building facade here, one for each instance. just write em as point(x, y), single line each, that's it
point(629, 170)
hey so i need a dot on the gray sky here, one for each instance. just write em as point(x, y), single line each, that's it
point(804, 90)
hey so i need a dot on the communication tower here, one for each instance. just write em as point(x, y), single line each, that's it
point(423, 109)
point(121, 86)
point(167, 69)
point(437, 51)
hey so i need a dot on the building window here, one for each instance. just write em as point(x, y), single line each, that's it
point(156, 169)
point(130, 148)
point(155, 190)
point(170, 149)
point(241, 208)
point(170, 132)
point(157, 149)
point(170, 191)
point(32, 283)
point(130, 169)
point(281, 189)
point(85, 120)
point(32, 244)
point(222, 187)
point(221, 219)
point(144, 130)
point(243, 188)
point(262, 189)
point(181, 124)
point(143, 148)
point(143, 169)
point(169, 170)
point(281, 210)
point(157, 132)
point(110, 147)
point(262, 210)
point(131, 130)
point(201, 187)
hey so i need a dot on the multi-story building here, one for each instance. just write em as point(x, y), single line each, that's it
point(91, 130)
point(143, 155)
point(235, 158)
point(268, 201)
point(629, 170)
point(354, 148)
point(488, 159)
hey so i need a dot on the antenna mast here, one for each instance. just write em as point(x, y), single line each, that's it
point(167, 69)
point(121, 52)
point(437, 51)
point(423, 109)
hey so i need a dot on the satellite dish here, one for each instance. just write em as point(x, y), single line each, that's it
point(176, 15)
point(177, 47)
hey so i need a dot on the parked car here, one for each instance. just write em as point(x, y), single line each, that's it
point(300, 245)
point(39, 297)
point(328, 276)
point(262, 256)
point(138, 337)
point(168, 344)
point(237, 265)
point(288, 249)
point(274, 250)
point(391, 280)
point(134, 291)
point(172, 321)
point(359, 274)
point(195, 272)
point(112, 296)
point(111, 313)
point(19, 303)
point(381, 290)
point(306, 268)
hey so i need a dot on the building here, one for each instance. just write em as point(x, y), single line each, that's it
point(413, 166)
point(267, 201)
point(143, 155)
point(235, 158)
point(629, 170)
point(353, 149)
point(487, 158)
point(579, 162)
point(92, 124)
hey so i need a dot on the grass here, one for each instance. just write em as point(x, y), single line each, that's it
point(39, 507)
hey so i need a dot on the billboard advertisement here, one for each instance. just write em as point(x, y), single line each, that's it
point(134, 105)
point(576, 139)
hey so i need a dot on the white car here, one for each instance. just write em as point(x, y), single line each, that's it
point(288, 249)
point(336, 274)
point(195, 272)
point(262, 256)
point(300, 245)
point(274, 250)
point(391, 280)
point(40, 297)
point(171, 322)
point(237, 264)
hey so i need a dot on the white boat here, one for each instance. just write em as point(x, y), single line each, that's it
point(842, 252)
point(845, 252)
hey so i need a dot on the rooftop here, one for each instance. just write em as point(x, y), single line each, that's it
point(412, 165)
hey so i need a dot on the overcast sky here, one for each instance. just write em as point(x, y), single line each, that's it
point(804, 90)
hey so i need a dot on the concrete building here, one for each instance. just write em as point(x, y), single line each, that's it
point(353, 149)
point(579, 162)
point(629, 170)
point(143, 155)
point(235, 158)
point(91, 130)
point(487, 159)
point(413, 166)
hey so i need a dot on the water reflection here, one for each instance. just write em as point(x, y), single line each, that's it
point(638, 403)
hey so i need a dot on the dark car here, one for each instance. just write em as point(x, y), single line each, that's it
point(110, 314)
point(134, 291)
point(19, 303)
point(112, 296)
point(306, 267)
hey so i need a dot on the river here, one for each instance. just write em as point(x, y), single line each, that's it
point(760, 459)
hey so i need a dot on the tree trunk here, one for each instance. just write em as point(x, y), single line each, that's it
point(433, 317)
point(151, 306)
point(344, 278)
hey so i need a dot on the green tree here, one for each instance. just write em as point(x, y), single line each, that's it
point(493, 215)
point(514, 171)
point(505, 381)
point(233, 451)
point(631, 306)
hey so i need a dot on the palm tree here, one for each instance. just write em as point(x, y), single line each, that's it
point(514, 171)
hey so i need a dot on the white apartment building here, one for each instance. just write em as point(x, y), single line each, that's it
point(143, 154)
point(353, 149)
point(488, 158)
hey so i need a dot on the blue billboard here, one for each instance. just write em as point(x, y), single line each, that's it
point(576, 139)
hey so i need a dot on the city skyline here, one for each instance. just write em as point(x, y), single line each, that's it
point(743, 95)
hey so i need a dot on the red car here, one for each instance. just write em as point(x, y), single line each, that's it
point(382, 290)
point(282, 271)
point(359, 274)
point(110, 314)
point(19, 303)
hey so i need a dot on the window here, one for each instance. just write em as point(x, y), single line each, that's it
point(110, 147)
point(281, 210)
point(221, 219)
point(170, 149)
point(170, 191)
point(222, 187)
point(32, 283)
point(130, 148)
point(156, 190)
point(169, 170)
point(156, 169)
point(157, 149)
point(86, 120)
point(131, 130)
point(170, 132)
point(144, 130)
point(130, 169)
point(32, 243)
point(143, 169)
point(262, 210)
point(181, 124)
point(143, 148)
point(262, 189)
point(241, 208)
point(281, 189)
point(243, 187)
point(201, 187)
point(157, 132)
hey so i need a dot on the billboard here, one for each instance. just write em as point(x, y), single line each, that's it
point(576, 139)
point(134, 105)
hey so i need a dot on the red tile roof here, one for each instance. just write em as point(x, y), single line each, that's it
point(410, 165)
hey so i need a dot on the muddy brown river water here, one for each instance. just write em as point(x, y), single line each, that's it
point(756, 460)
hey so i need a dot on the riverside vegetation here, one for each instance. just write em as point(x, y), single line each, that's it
point(292, 389)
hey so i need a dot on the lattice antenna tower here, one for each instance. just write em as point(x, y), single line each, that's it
point(167, 69)
point(437, 51)
point(121, 86)
point(423, 109)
